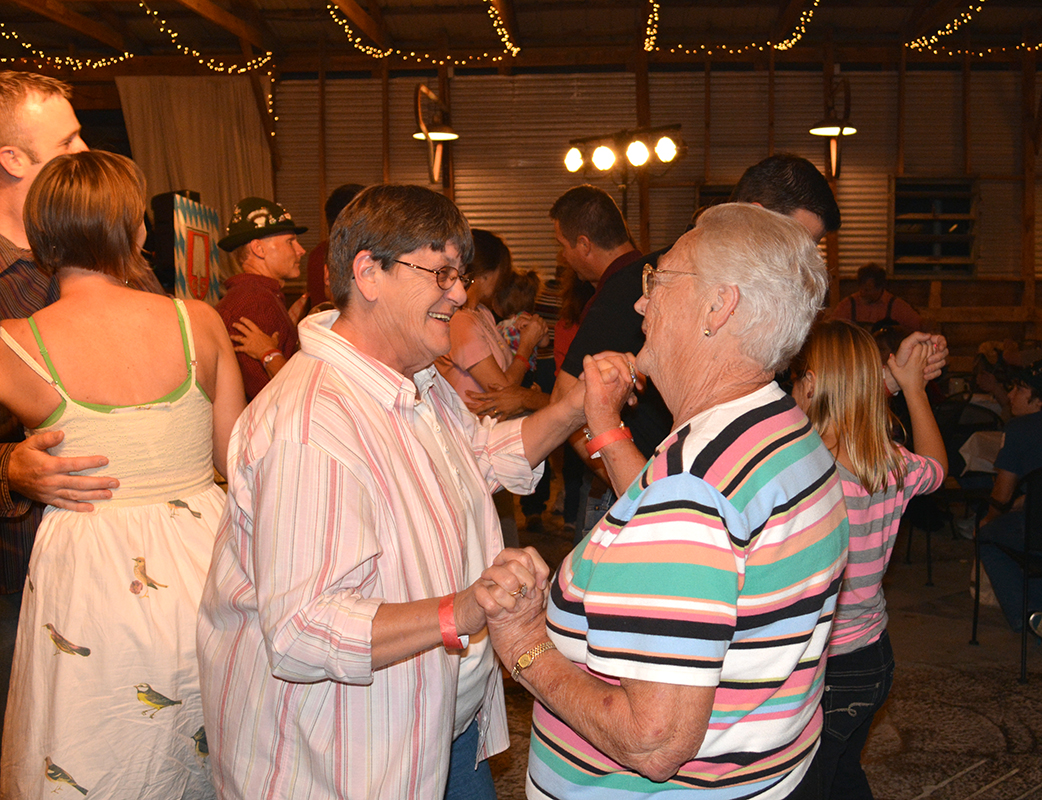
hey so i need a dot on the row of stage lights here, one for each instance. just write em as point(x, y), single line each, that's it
point(602, 152)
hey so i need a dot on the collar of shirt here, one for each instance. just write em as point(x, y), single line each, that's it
point(625, 259)
point(386, 385)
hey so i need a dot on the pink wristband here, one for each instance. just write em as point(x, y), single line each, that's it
point(602, 440)
point(447, 621)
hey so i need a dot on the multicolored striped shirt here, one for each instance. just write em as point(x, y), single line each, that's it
point(874, 519)
point(349, 486)
point(720, 567)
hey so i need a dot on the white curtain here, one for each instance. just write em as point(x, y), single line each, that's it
point(199, 133)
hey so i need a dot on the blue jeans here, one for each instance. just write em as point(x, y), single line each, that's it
point(1005, 574)
point(856, 686)
point(465, 782)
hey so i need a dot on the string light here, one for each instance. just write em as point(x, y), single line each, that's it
point(58, 62)
point(427, 58)
point(212, 64)
point(501, 29)
point(799, 31)
point(651, 29)
point(924, 42)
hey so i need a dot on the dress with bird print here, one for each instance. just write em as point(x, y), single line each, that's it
point(104, 697)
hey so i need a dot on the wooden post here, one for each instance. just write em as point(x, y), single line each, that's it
point(831, 238)
point(1027, 238)
point(643, 121)
point(448, 173)
point(706, 113)
point(385, 103)
point(967, 160)
point(323, 189)
point(902, 67)
point(770, 102)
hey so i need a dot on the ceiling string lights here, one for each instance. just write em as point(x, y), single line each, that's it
point(212, 64)
point(58, 62)
point(427, 58)
point(652, 25)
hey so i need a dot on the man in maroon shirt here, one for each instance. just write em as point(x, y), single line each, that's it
point(263, 240)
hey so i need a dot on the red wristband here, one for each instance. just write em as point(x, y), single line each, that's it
point(518, 357)
point(266, 357)
point(447, 621)
point(597, 443)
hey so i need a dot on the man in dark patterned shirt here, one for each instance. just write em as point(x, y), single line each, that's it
point(37, 123)
point(263, 239)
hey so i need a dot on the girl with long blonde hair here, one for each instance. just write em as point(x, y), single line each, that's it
point(838, 382)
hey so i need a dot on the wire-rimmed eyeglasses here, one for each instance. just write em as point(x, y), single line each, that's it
point(445, 276)
point(651, 273)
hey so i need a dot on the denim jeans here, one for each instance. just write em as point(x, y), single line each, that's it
point(856, 686)
point(465, 782)
point(1007, 579)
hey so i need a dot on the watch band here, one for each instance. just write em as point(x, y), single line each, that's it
point(526, 659)
point(269, 356)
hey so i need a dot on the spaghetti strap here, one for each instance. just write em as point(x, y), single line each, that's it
point(187, 339)
point(31, 362)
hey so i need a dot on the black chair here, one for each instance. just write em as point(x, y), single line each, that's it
point(1028, 558)
point(957, 419)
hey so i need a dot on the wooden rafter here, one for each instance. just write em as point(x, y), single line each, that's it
point(57, 12)
point(363, 21)
point(119, 24)
point(927, 17)
point(787, 18)
point(506, 13)
point(247, 9)
point(224, 19)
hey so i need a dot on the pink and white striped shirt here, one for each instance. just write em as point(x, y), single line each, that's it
point(874, 519)
point(336, 503)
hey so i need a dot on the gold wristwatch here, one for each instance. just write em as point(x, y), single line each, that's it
point(526, 659)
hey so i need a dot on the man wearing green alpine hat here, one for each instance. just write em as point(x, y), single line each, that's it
point(262, 239)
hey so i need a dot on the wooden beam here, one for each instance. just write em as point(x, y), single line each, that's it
point(643, 120)
point(928, 19)
point(787, 18)
point(57, 12)
point(119, 24)
point(363, 21)
point(506, 13)
point(1028, 221)
point(224, 19)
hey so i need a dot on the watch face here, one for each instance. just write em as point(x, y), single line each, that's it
point(525, 660)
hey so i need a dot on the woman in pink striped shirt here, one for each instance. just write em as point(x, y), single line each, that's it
point(838, 382)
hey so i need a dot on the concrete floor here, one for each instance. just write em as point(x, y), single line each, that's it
point(957, 725)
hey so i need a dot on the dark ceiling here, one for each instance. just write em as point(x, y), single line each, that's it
point(302, 34)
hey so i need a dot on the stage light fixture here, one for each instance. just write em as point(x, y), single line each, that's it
point(637, 153)
point(573, 160)
point(604, 158)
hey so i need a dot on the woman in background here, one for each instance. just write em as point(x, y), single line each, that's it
point(105, 688)
point(838, 382)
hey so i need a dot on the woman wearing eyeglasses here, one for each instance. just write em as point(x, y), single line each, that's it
point(481, 359)
point(682, 649)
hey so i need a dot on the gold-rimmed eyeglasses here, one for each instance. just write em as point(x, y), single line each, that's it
point(651, 273)
point(445, 276)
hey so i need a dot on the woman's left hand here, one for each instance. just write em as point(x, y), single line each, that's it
point(501, 402)
point(251, 340)
point(516, 619)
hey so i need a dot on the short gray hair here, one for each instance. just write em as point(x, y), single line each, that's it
point(780, 275)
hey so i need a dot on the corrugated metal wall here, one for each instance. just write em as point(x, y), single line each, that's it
point(514, 132)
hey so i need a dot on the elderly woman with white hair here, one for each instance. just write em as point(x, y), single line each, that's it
point(683, 646)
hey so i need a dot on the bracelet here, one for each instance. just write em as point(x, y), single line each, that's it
point(594, 444)
point(267, 357)
point(517, 357)
point(447, 621)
